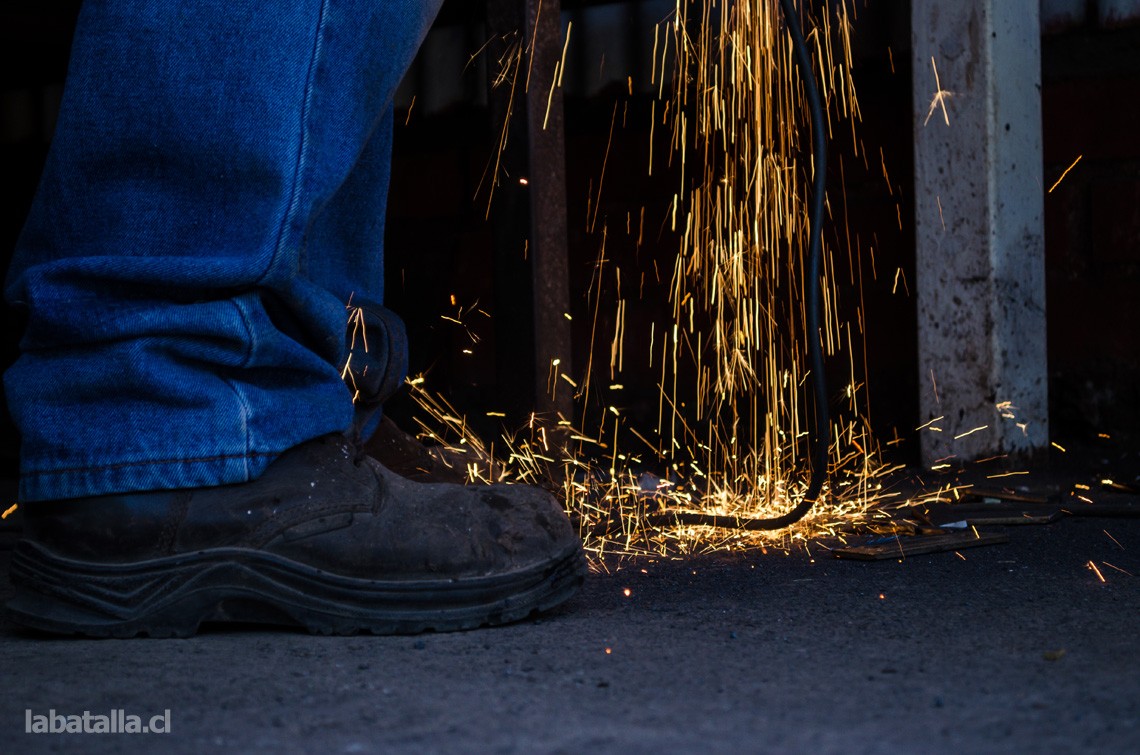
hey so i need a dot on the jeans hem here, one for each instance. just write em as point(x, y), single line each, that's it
point(163, 474)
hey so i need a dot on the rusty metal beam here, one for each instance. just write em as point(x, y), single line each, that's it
point(547, 181)
point(532, 271)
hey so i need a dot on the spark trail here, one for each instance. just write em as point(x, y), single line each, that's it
point(730, 436)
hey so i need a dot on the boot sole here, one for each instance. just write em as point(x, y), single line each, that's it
point(174, 596)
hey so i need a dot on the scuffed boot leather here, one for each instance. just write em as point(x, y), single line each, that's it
point(327, 539)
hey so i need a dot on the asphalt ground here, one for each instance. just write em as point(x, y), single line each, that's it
point(1008, 648)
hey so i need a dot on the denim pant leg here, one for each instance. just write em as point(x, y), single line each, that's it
point(212, 200)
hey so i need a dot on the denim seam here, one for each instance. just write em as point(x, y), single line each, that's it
point(302, 146)
point(246, 409)
point(154, 462)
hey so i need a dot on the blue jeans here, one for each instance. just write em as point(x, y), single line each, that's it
point(213, 201)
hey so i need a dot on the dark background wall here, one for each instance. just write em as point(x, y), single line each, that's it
point(440, 247)
point(1091, 110)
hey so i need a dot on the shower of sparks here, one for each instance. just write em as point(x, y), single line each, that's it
point(357, 333)
point(509, 66)
point(731, 438)
point(740, 134)
point(730, 442)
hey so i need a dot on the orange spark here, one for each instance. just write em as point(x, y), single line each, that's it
point(940, 97)
point(1062, 178)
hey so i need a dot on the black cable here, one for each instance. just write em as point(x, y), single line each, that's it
point(820, 432)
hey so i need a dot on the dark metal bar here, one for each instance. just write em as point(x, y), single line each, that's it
point(529, 214)
point(547, 182)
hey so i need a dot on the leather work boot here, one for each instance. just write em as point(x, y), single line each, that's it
point(326, 539)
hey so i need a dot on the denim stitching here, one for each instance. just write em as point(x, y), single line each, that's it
point(127, 464)
point(246, 411)
point(302, 147)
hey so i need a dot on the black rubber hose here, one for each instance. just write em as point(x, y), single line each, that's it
point(820, 434)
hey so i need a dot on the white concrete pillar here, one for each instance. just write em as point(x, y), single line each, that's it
point(979, 230)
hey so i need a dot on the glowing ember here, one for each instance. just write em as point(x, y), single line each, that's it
point(940, 97)
point(1065, 173)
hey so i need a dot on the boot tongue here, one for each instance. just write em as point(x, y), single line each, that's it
point(377, 365)
point(377, 358)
